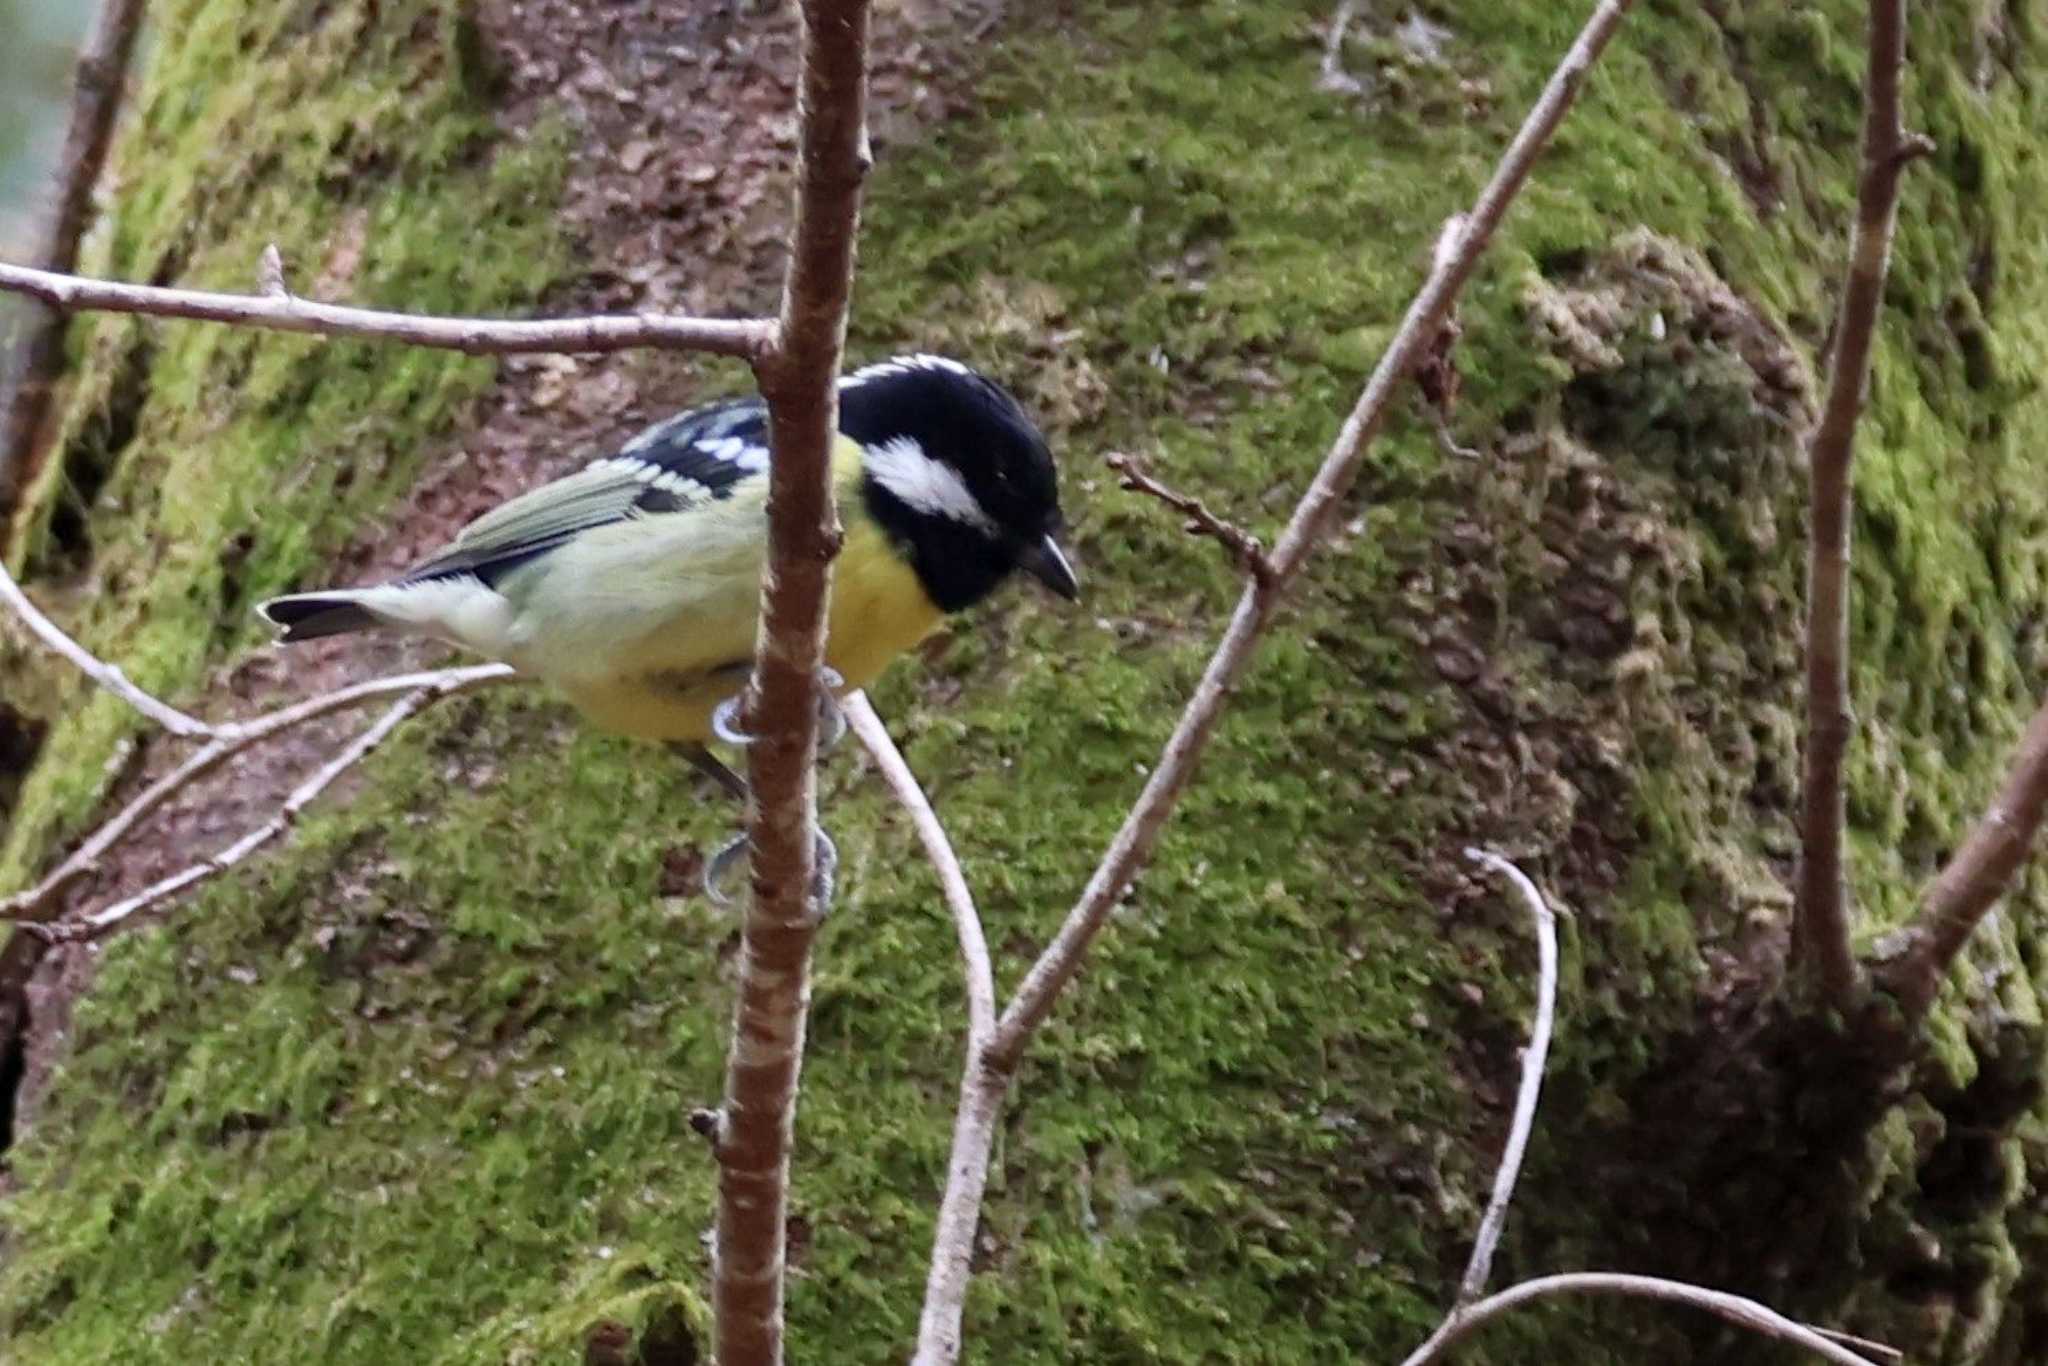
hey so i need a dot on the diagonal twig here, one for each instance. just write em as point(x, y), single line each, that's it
point(1533, 1058)
point(1458, 254)
point(1245, 547)
point(1134, 842)
point(1821, 938)
point(228, 739)
point(100, 922)
point(99, 671)
point(1970, 883)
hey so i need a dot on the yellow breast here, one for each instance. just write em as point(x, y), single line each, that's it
point(666, 687)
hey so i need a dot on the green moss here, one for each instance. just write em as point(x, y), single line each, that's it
point(414, 1089)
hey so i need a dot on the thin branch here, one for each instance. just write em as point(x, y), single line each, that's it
point(983, 1084)
point(1967, 887)
point(1133, 843)
point(1821, 938)
point(99, 671)
point(1243, 546)
point(97, 84)
point(229, 739)
point(1744, 1313)
point(798, 379)
point(1533, 1058)
point(100, 922)
point(747, 338)
point(981, 1090)
point(988, 1073)
point(974, 956)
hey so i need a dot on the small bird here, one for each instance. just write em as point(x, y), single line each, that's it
point(633, 585)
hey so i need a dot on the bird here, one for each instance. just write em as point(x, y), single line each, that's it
point(633, 584)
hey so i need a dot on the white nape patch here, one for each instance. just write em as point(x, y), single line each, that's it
point(903, 365)
point(930, 486)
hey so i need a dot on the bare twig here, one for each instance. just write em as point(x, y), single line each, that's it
point(1245, 547)
point(987, 1079)
point(38, 357)
point(798, 379)
point(1972, 881)
point(974, 957)
point(98, 923)
point(981, 1090)
point(1134, 842)
point(228, 739)
point(747, 338)
point(1742, 1312)
point(1533, 1057)
point(270, 273)
point(1821, 939)
point(99, 671)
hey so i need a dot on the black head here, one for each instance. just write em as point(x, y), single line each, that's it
point(957, 475)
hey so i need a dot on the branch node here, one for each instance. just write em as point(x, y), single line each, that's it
point(270, 273)
point(1912, 147)
point(1243, 546)
point(709, 1125)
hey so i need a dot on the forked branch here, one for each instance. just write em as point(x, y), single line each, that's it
point(989, 1068)
point(102, 921)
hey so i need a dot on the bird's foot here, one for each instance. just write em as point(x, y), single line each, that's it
point(824, 873)
point(725, 717)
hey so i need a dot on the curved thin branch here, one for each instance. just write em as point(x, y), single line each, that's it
point(747, 338)
point(1742, 1312)
point(1821, 918)
point(981, 1090)
point(99, 671)
point(1533, 1058)
point(229, 739)
point(1456, 258)
point(974, 958)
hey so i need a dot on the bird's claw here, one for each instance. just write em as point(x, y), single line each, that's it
point(725, 717)
point(824, 873)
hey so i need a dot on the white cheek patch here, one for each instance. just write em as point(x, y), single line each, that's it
point(930, 486)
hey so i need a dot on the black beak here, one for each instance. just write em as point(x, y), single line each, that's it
point(1046, 563)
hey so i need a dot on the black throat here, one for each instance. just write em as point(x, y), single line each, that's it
point(958, 564)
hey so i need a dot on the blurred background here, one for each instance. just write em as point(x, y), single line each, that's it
point(38, 40)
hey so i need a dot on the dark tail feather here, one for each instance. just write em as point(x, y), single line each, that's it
point(309, 616)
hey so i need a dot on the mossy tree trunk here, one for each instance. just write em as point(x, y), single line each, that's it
point(416, 1088)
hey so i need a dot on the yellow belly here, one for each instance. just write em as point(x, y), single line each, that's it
point(878, 609)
